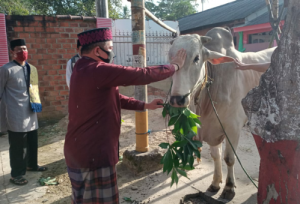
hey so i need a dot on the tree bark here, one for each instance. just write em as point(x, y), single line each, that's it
point(273, 108)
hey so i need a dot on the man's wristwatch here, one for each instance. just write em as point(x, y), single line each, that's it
point(176, 67)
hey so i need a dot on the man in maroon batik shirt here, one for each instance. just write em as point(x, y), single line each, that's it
point(91, 144)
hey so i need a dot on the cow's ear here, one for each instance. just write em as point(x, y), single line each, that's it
point(205, 39)
point(215, 57)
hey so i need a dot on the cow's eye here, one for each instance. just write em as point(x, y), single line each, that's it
point(196, 59)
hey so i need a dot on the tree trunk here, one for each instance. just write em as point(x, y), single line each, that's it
point(273, 107)
point(278, 172)
point(273, 110)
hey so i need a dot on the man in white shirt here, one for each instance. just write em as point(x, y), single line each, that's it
point(71, 63)
point(18, 117)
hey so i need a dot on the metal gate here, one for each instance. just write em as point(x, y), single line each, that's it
point(157, 48)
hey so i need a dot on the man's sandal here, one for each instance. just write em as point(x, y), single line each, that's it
point(20, 181)
point(38, 168)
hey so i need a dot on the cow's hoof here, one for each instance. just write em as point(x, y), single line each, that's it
point(213, 189)
point(228, 194)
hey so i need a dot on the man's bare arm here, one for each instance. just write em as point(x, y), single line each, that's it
point(256, 67)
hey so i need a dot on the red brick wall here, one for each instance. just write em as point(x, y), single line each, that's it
point(51, 43)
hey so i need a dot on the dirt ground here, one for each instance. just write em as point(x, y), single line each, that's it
point(52, 140)
point(143, 188)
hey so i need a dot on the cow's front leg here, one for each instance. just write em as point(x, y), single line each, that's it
point(216, 154)
point(229, 192)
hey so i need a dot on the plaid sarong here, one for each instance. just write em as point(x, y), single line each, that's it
point(94, 187)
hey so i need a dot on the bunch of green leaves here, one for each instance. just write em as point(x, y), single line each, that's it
point(180, 155)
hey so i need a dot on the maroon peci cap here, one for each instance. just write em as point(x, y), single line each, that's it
point(94, 36)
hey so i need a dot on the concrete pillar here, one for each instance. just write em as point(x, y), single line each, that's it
point(139, 60)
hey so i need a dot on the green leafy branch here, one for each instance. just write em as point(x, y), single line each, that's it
point(180, 155)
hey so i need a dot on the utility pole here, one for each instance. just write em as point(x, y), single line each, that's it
point(102, 8)
point(139, 60)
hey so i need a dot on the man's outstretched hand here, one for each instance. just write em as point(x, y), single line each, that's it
point(154, 104)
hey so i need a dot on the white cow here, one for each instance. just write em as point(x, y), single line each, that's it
point(228, 88)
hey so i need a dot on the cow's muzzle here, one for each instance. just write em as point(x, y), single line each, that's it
point(179, 101)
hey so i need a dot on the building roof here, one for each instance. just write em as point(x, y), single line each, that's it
point(238, 9)
point(264, 18)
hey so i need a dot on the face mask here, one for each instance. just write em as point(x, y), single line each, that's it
point(22, 56)
point(110, 56)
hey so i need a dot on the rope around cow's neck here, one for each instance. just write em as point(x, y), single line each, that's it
point(212, 103)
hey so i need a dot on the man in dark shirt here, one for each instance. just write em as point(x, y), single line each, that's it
point(91, 145)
